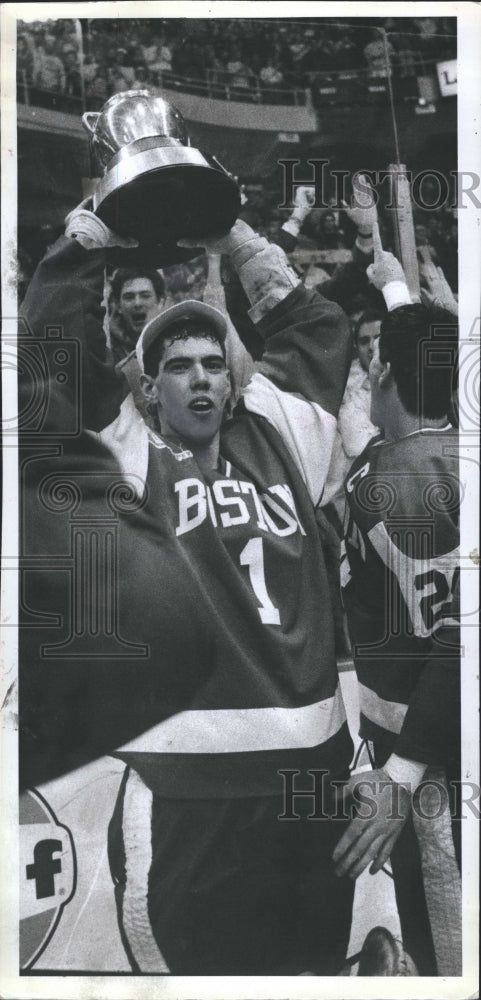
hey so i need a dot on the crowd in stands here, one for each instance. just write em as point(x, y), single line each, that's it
point(97, 58)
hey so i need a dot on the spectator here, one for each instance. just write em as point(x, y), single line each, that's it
point(378, 54)
point(347, 54)
point(329, 234)
point(240, 76)
point(298, 47)
point(97, 89)
point(429, 41)
point(49, 72)
point(120, 67)
point(150, 50)
point(272, 79)
point(142, 77)
point(89, 68)
point(162, 64)
point(73, 78)
point(25, 58)
point(164, 61)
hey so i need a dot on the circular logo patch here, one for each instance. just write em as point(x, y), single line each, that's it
point(47, 874)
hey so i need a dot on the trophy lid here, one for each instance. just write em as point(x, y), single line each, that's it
point(129, 116)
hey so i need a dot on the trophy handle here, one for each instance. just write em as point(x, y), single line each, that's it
point(87, 118)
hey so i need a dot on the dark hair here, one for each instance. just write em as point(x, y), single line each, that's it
point(421, 346)
point(368, 316)
point(124, 274)
point(182, 329)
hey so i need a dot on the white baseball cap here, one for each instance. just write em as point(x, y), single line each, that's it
point(190, 308)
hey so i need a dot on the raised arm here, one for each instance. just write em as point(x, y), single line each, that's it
point(300, 381)
point(66, 291)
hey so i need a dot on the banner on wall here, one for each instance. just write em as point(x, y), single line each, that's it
point(448, 77)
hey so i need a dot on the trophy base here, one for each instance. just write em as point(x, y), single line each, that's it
point(158, 202)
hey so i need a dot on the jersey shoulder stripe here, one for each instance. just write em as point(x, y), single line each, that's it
point(308, 431)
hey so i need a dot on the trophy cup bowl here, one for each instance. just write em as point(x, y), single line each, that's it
point(154, 186)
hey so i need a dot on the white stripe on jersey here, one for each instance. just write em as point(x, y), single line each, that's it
point(387, 714)
point(137, 835)
point(242, 730)
point(127, 439)
point(425, 584)
point(307, 430)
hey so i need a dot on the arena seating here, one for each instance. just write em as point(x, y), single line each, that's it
point(255, 61)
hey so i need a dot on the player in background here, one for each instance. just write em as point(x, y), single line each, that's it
point(401, 590)
point(227, 589)
point(138, 295)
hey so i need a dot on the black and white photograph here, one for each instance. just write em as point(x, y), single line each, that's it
point(241, 279)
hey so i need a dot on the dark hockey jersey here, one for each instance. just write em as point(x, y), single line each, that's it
point(221, 576)
point(401, 591)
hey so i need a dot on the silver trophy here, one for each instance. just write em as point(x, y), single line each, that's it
point(153, 184)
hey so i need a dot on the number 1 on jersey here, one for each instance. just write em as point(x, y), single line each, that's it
point(252, 555)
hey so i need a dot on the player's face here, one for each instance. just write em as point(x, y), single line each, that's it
point(366, 339)
point(192, 388)
point(138, 304)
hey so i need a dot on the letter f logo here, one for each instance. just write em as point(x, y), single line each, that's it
point(45, 866)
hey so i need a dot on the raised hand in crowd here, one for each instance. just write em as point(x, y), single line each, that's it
point(362, 211)
point(304, 202)
point(438, 292)
point(386, 267)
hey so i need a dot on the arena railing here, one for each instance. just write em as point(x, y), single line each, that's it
point(28, 94)
point(355, 86)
